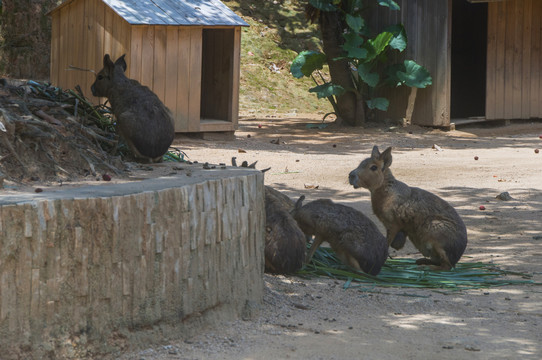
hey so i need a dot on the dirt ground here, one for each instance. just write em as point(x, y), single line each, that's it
point(318, 319)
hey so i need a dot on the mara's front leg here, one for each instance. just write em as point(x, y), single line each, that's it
point(395, 237)
point(315, 245)
point(399, 241)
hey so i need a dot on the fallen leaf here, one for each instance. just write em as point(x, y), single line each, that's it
point(311, 186)
point(241, 151)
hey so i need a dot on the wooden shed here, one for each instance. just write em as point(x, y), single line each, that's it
point(484, 56)
point(186, 51)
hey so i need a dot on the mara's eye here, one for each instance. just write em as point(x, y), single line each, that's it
point(100, 77)
point(373, 167)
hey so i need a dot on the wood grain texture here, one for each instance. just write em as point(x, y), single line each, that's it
point(513, 87)
point(167, 59)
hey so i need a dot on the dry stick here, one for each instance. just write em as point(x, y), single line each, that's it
point(8, 145)
point(29, 120)
point(34, 132)
point(55, 165)
point(91, 133)
point(71, 67)
point(47, 117)
point(39, 102)
point(90, 164)
point(5, 157)
point(116, 170)
point(88, 104)
point(81, 149)
point(94, 129)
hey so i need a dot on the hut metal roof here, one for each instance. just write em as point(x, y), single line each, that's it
point(173, 12)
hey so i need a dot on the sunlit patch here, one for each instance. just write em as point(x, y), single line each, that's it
point(415, 322)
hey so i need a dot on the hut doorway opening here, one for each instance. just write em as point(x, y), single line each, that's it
point(217, 70)
point(469, 56)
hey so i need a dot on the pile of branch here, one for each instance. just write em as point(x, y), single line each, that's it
point(47, 134)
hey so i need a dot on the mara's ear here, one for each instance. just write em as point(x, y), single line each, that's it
point(299, 202)
point(375, 154)
point(121, 62)
point(107, 62)
point(386, 158)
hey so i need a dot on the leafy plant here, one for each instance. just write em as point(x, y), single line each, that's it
point(366, 55)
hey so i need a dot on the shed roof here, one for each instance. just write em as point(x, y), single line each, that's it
point(172, 12)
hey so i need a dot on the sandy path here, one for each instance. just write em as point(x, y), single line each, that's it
point(317, 319)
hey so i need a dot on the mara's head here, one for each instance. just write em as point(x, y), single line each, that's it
point(106, 77)
point(370, 172)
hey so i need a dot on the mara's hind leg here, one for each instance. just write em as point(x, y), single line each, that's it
point(348, 259)
point(438, 261)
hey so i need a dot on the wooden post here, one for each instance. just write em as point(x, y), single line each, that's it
point(410, 106)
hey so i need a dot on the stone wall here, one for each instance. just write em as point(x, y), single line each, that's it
point(73, 265)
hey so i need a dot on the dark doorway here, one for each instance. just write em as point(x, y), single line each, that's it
point(217, 74)
point(469, 54)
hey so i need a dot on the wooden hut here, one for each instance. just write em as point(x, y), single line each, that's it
point(187, 52)
point(484, 56)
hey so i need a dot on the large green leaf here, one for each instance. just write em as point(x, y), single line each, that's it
point(324, 5)
point(377, 45)
point(355, 23)
point(378, 103)
point(391, 78)
point(389, 3)
point(352, 46)
point(399, 39)
point(370, 78)
point(326, 90)
point(307, 62)
point(415, 75)
point(381, 41)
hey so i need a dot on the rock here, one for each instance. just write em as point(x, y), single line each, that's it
point(251, 310)
point(504, 196)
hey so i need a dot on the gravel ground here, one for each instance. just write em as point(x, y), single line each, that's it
point(318, 319)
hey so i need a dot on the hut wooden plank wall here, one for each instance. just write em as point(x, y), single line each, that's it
point(514, 60)
point(507, 83)
point(428, 25)
point(187, 52)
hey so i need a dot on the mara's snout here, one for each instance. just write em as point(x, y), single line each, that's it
point(93, 90)
point(353, 179)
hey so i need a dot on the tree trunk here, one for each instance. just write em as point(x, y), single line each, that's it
point(350, 104)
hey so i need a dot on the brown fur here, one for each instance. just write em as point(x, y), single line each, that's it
point(432, 224)
point(143, 121)
point(284, 241)
point(354, 237)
